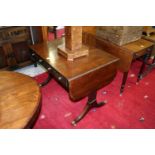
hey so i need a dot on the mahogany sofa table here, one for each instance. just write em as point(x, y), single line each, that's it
point(82, 77)
point(19, 100)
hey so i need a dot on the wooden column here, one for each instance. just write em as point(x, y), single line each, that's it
point(45, 33)
point(73, 47)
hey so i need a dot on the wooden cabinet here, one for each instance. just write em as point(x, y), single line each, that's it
point(14, 41)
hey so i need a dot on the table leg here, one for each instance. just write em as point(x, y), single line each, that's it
point(46, 81)
point(125, 75)
point(34, 61)
point(91, 103)
point(35, 64)
point(149, 68)
point(153, 62)
point(140, 74)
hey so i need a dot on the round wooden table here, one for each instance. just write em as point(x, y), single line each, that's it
point(19, 100)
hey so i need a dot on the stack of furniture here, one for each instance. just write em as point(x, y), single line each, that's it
point(14, 41)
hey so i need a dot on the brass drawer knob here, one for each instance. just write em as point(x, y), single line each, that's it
point(59, 78)
point(49, 68)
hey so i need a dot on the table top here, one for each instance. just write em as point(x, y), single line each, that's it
point(19, 99)
point(138, 45)
point(150, 38)
point(126, 53)
point(97, 58)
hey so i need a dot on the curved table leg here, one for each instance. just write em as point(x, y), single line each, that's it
point(91, 103)
point(46, 81)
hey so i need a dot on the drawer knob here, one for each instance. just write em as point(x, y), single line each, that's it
point(40, 60)
point(49, 68)
point(33, 54)
point(59, 78)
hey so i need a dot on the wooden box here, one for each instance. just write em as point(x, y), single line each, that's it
point(119, 35)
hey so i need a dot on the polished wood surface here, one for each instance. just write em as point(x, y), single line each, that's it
point(19, 100)
point(92, 72)
point(138, 46)
point(82, 77)
point(126, 53)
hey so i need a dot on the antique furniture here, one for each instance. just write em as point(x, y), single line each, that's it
point(119, 35)
point(19, 100)
point(127, 54)
point(82, 77)
point(150, 66)
point(14, 40)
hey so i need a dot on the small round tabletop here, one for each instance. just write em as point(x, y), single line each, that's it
point(19, 100)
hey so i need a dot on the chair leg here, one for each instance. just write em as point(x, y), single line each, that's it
point(46, 81)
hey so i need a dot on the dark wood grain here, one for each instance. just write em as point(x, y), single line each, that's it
point(82, 77)
point(14, 40)
point(85, 74)
point(19, 100)
point(127, 53)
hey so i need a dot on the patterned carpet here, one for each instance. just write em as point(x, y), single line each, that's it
point(135, 109)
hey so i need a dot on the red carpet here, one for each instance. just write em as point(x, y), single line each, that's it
point(59, 33)
point(135, 109)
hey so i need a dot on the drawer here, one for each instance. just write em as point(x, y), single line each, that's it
point(58, 77)
point(61, 79)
